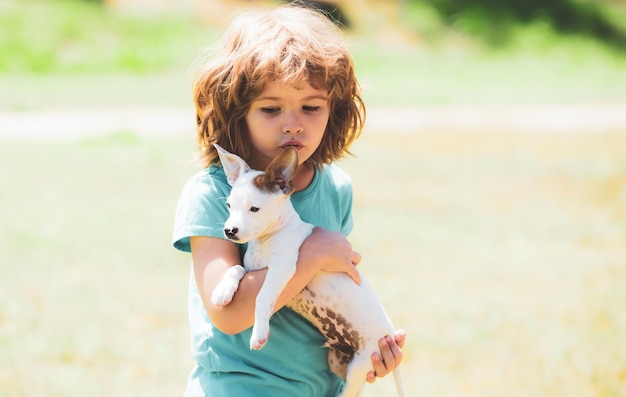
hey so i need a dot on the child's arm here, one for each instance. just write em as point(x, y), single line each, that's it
point(323, 250)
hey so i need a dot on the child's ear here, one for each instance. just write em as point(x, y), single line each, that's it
point(234, 166)
point(282, 170)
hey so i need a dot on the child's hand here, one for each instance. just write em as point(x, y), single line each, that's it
point(391, 352)
point(331, 252)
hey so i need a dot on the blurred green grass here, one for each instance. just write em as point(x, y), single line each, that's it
point(85, 37)
point(502, 255)
point(93, 298)
point(77, 53)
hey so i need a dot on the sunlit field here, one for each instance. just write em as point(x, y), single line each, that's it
point(501, 255)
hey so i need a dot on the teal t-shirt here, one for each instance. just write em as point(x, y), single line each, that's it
point(293, 362)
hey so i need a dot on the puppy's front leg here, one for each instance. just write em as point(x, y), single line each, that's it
point(226, 288)
point(275, 281)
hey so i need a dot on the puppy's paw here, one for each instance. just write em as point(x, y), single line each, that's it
point(226, 288)
point(259, 338)
point(223, 294)
point(257, 344)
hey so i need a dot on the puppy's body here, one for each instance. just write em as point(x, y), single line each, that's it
point(352, 320)
point(350, 316)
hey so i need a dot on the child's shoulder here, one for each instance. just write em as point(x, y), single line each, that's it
point(210, 174)
point(210, 179)
point(337, 174)
point(331, 178)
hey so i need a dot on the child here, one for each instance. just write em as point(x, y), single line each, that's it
point(278, 78)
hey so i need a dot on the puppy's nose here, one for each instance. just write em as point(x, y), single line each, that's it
point(231, 233)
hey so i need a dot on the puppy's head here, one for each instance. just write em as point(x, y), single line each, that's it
point(257, 198)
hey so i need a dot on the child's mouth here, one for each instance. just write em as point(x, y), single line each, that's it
point(296, 145)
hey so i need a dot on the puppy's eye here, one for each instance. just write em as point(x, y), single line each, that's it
point(254, 209)
point(228, 205)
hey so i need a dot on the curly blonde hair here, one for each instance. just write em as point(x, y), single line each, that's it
point(289, 44)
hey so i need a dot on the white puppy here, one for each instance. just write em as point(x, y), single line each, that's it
point(350, 316)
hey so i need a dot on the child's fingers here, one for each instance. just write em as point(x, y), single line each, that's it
point(379, 369)
point(400, 337)
point(388, 350)
point(392, 353)
point(354, 274)
point(389, 358)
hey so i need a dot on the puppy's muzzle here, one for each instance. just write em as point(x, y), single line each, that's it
point(231, 233)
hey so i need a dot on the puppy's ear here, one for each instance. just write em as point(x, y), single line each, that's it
point(281, 171)
point(234, 166)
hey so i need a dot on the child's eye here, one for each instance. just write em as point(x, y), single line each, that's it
point(310, 108)
point(270, 110)
point(254, 209)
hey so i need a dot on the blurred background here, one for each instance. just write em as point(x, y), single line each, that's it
point(490, 191)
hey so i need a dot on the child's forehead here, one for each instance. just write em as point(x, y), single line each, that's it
point(277, 89)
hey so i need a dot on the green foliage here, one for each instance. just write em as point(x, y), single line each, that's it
point(519, 61)
point(68, 36)
point(70, 44)
point(495, 20)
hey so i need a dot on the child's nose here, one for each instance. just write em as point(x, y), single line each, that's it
point(292, 124)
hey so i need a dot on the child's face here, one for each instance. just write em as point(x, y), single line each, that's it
point(286, 115)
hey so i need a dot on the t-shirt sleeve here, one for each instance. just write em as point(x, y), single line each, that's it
point(347, 223)
point(201, 209)
point(343, 185)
